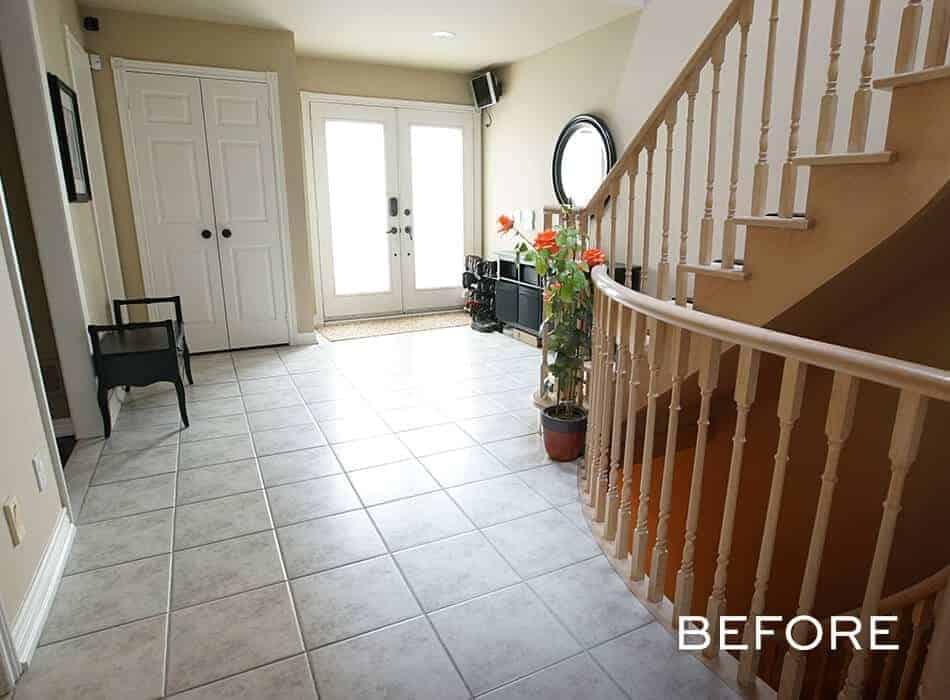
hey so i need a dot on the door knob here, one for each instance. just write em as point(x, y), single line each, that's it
point(226, 232)
point(408, 230)
point(393, 231)
point(206, 234)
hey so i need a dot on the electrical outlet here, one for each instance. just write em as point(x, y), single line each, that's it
point(39, 470)
point(11, 509)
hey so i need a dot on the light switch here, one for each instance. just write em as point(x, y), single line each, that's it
point(11, 510)
point(39, 470)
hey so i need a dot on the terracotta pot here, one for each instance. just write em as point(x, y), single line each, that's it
point(564, 435)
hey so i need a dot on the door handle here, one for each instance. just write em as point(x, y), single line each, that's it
point(226, 232)
point(206, 234)
point(408, 230)
point(393, 231)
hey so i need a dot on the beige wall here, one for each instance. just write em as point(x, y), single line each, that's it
point(172, 40)
point(22, 438)
point(540, 94)
point(359, 79)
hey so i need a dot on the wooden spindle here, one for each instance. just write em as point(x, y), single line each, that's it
point(594, 392)
point(786, 203)
point(789, 409)
point(828, 111)
point(861, 107)
point(622, 542)
point(747, 378)
point(692, 89)
point(760, 178)
point(621, 392)
point(909, 37)
point(679, 369)
point(605, 420)
point(905, 441)
point(824, 652)
point(614, 197)
point(890, 662)
point(708, 380)
point(599, 229)
point(650, 145)
point(936, 51)
point(934, 679)
point(598, 410)
point(729, 228)
point(631, 201)
point(655, 358)
point(663, 269)
point(838, 425)
point(920, 620)
point(717, 56)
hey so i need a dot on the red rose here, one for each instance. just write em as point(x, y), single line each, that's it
point(594, 257)
point(545, 241)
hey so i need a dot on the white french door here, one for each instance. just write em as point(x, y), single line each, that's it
point(395, 206)
point(204, 168)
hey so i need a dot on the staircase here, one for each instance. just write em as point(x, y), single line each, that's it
point(677, 514)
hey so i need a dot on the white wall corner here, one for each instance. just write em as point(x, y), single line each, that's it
point(29, 622)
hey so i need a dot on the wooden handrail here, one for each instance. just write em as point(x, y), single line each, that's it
point(920, 379)
point(725, 23)
point(921, 590)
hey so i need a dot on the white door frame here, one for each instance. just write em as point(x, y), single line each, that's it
point(121, 67)
point(101, 198)
point(313, 219)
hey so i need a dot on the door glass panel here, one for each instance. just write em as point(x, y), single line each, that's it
point(356, 178)
point(438, 205)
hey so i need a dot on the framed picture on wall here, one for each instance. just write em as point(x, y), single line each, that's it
point(72, 152)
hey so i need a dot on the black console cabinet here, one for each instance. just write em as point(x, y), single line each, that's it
point(518, 292)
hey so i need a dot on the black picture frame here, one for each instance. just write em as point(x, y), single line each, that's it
point(581, 121)
point(72, 150)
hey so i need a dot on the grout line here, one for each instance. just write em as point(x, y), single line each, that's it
point(171, 577)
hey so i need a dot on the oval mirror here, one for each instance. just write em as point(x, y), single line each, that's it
point(583, 155)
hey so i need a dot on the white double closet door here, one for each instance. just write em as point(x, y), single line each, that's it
point(205, 171)
point(395, 206)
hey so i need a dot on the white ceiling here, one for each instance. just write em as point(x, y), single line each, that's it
point(488, 32)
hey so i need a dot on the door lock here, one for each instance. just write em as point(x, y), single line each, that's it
point(226, 232)
point(393, 231)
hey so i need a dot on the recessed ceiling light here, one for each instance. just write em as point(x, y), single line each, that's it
point(443, 35)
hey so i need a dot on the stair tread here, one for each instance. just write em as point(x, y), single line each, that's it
point(874, 158)
point(797, 223)
point(716, 270)
point(912, 77)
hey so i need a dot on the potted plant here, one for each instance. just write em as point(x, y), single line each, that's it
point(564, 262)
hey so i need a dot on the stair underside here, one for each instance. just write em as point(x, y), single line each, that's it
point(877, 158)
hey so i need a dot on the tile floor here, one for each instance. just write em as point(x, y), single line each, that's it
point(375, 518)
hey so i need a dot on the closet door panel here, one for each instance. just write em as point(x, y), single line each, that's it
point(174, 187)
point(243, 175)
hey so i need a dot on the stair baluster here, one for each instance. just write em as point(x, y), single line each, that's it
point(838, 425)
point(729, 227)
point(663, 269)
point(828, 111)
point(593, 394)
point(861, 107)
point(708, 380)
point(620, 414)
point(936, 52)
point(655, 353)
point(602, 446)
point(760, 179)
point(905, 441)
point(650, 145)
point(614, 197)
point(789, 409)
point(717, 56)
point(622, 542)
point(909, 37)
point(631, 201)
point(679, 369)
point(786, 202)
point(682, 279)
point(746, 383)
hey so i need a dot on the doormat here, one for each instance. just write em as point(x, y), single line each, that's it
point(391, 326)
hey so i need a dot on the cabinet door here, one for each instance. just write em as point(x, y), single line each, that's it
point(170, 172)
point(244, 180)
point(529, 308)
point(506, 301)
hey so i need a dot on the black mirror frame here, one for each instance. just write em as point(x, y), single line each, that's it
point(581, 120)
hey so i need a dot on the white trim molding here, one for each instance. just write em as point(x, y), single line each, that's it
point(307, 97)
point(10, 667)
point(28, 625)
point(121, 67)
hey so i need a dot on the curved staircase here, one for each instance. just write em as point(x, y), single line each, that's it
point(772, 487)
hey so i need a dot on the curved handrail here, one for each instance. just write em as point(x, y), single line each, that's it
point(920, 379)
point(724, 24)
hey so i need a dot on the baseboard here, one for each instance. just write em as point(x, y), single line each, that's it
point(29, 622)
point(10, 668)
point(63, 427)
point(304, 339)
